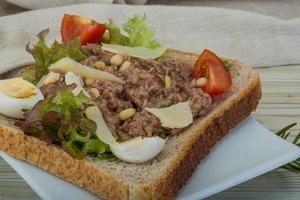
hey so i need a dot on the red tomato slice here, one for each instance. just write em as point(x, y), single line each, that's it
point(210, 66)
point(92, 33)
point(76, 26)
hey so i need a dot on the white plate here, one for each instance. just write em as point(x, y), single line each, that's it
point(248, 151)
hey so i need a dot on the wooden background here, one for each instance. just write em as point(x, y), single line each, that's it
point(279, 106)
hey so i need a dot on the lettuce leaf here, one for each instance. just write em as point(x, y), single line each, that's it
point(99, 148)
point(61, 119)
point(227, 64)
point(45, 56)
point(40, 53)
point(70, 49)
point(116, 36)
point(66, 102)
point(138, 34)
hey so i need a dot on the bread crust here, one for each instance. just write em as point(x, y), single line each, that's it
point(101, 182)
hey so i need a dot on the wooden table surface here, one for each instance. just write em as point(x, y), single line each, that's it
point(279, 106)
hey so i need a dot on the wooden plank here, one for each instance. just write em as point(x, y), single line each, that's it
point(12, 186)
point(276, 185)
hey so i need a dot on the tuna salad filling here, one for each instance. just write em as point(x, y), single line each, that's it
point(145, 86)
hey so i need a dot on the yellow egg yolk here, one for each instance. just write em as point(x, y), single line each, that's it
point(18, 88)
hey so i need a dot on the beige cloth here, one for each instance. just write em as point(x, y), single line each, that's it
point(38, 4)
point(256, 39)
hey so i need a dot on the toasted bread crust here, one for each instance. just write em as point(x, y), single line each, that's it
point(101, 182)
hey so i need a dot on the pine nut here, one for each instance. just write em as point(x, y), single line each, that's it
point(94, 92)
point(89, 81)
point(126, 114)
point(116, 60)
point(201, 82)
point(125, 66)
point(167, 81)
point(106, 35)
point(99, 64)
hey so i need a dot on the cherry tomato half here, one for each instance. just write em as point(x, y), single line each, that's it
point(88, 30)
point(92, 33)
point(210, 66)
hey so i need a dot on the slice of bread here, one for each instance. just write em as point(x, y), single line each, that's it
point(160, 178)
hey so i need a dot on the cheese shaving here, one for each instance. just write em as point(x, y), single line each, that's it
point(176, 116)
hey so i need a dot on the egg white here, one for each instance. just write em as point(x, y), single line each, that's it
point(13, 107)
point(138, 150)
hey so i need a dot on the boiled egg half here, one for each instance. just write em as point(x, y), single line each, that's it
point(136, 150)
point(17, 94)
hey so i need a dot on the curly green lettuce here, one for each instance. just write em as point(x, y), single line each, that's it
point(138, 33)
point(115, 35)
point(61, 119)
point(45, 56)
point(65, 102)
point(227, 64)
point(98, 148)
